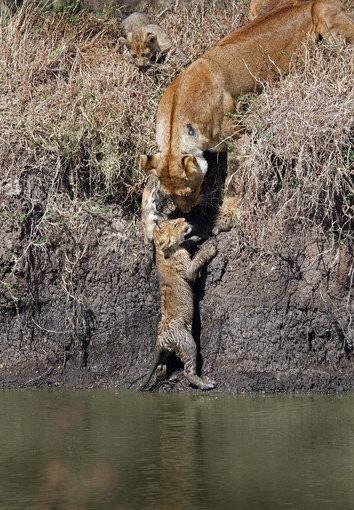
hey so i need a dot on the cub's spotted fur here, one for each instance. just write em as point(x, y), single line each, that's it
point(177, 271)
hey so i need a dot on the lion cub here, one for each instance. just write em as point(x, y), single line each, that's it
point(177, 271)
point(145, 40)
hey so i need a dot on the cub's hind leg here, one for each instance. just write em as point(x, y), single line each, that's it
point(186, 349)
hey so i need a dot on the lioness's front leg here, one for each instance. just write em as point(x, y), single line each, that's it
point(234, 190)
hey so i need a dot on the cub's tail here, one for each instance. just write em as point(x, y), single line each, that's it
point(160, 357)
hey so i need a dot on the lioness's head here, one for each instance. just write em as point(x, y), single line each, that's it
point(170, 234)
point(181, 177)
point(142, 46)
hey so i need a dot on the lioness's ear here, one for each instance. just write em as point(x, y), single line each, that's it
point(149, 164)
point(123, 40)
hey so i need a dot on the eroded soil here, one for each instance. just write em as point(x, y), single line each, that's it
point(82, 311)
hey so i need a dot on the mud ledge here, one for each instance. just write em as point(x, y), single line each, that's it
point(270, 320)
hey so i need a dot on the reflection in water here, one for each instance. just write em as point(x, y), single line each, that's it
point(105, 451)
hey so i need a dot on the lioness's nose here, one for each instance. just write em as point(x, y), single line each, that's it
point(184, 205)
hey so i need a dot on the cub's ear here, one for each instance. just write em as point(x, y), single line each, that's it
point(193, 165)
point(150, 37)
point(149, 164)
point(123, 40)
point(190, 164)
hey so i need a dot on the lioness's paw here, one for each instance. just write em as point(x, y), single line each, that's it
point(223, 226)
point(217, 230)
point(229, 215)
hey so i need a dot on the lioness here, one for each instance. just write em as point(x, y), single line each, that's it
point(145, 39)
point(177, 271)
point(191, 115)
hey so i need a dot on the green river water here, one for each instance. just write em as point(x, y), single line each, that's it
point(103, 450)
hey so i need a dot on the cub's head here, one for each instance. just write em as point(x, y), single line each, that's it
point(142, 46)
point(181, 177)
point(170, 234)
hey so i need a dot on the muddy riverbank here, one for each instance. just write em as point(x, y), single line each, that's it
point(83, 311)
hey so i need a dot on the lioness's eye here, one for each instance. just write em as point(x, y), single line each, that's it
point(191, 130)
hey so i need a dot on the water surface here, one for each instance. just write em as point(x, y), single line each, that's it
point(102, 450)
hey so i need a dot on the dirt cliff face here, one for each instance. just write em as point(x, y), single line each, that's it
point(84, 311)
point(78, 304)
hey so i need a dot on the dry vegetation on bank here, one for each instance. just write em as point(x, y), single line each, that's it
point(76, 114)
point(75, 106)
point(300, 156)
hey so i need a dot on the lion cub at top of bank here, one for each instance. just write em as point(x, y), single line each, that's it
point(177, 271)
point(145, 40)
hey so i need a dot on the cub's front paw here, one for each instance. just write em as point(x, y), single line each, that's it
point(211, 250)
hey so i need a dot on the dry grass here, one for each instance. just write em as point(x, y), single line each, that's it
point(300, 156)
point(75, 107)
point(76, 114)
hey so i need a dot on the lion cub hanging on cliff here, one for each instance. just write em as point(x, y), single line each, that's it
point(145, 40)
point(177, 271)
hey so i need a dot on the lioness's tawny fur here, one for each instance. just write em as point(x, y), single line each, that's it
point(177, 271)
point(260, 7)
point(192, 114)
point(145, 39)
